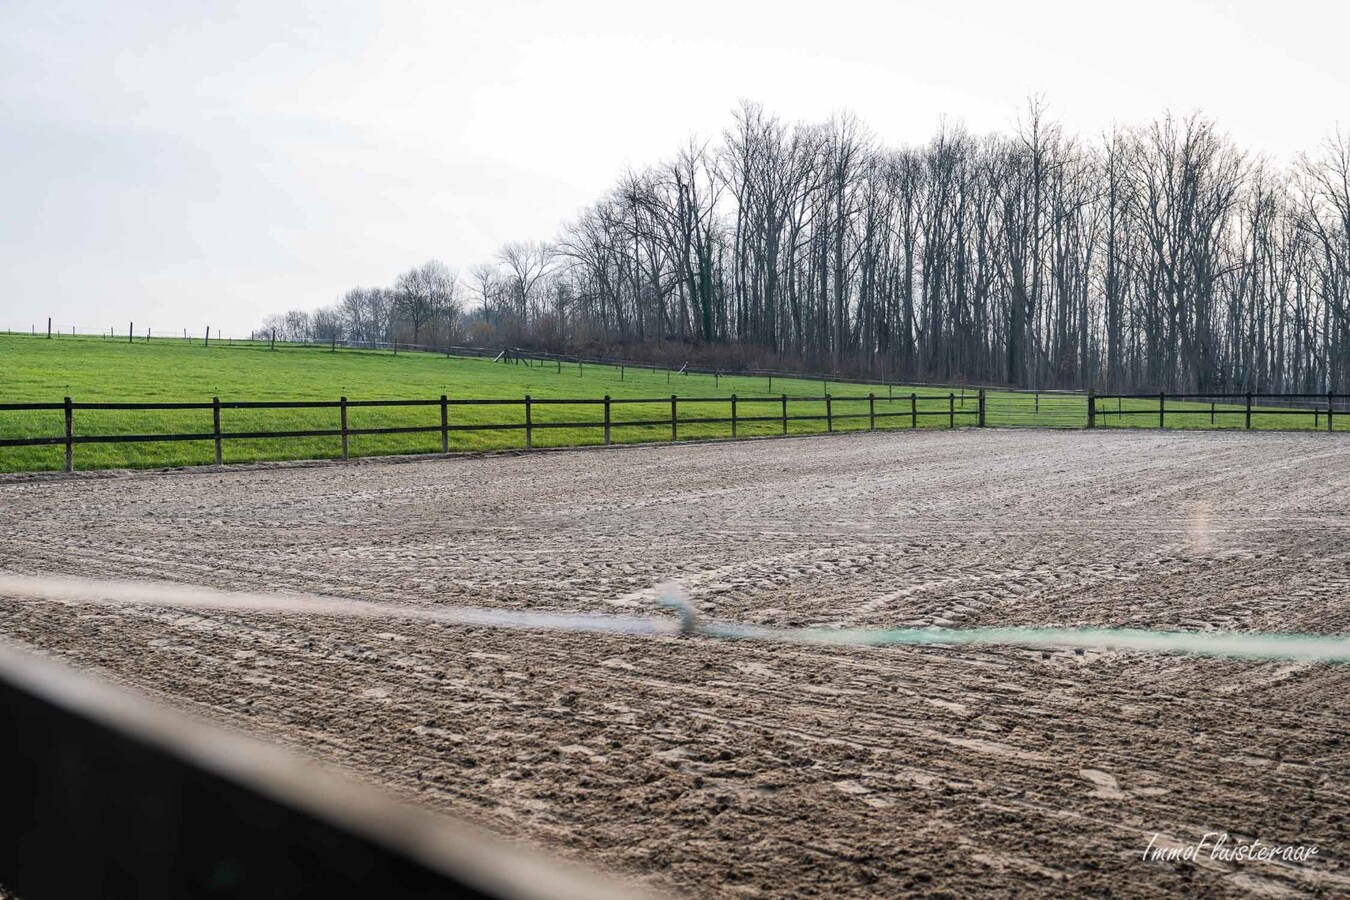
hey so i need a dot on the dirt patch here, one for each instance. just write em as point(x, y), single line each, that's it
point(721, 769)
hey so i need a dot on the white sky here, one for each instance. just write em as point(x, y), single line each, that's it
point(180, 168)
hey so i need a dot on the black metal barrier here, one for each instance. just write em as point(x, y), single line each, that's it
point(106, 794)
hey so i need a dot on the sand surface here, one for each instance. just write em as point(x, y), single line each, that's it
point(722, 769)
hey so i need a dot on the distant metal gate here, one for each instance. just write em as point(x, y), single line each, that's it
point(1045, 409)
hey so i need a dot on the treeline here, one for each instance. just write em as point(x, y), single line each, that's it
point(1156, 257)
point(423, 307)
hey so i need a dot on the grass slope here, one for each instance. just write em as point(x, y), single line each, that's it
point(88, 369)
point(98, 370)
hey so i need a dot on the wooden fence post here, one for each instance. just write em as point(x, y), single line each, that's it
point(215, 426)
point(1330, 410)
point(1249, 409)
point(344, 427)
point(607, 420)
point(1037, 411)
point(70, 432)
point(621, 373)
point(445, 425)
point(1211, 412)
point(871, 412)
point(829, 414)
point(207, 342)
point(785, 414)
point(951, 409)
point(273, 344)
point(674, 432)
point(49, 328)
point(1092, 408)
point(913, 410)
point(981, 407)
point(131, 326)
point(1162, 409)
point(529, 423)
point(733, 415)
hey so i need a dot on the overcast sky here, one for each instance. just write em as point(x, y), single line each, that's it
point(185, 164)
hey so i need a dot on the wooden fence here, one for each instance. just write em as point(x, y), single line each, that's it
point(854, 408)
point(1245, 405)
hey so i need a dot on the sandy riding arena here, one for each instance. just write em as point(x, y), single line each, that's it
point(723, 768)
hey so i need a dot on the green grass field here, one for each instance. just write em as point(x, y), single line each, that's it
point(91, 369)
point(39, 370)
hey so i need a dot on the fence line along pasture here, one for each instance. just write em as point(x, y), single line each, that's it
point(1100, 409)
point(855, 409)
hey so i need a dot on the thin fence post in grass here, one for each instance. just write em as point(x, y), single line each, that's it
point(607, 420)
point(674, 430)
point(871, 412)
point(1249, 409)
point(913, 410)
point(1038, 403)
point(717, 378)
point(445, 425)
point(580, 369)
point(529, 423)
point(770, 390)
point(70, 433)
point(560, 365)
point(342, 404)
point(273, 344)
point(829, 414)
point(1162, 409)
point(130, 329)
point(1211, 412)
point(215, 426)
point(1092, 408)
point(951, 409)
point(785, 414)
point(981, 407)
point(733, 415)
point(890, 392)
point(147, 335)
point(49, 328)
point(1329, 411)
point(207, 342)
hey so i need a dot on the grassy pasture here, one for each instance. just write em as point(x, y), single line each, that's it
point(92, 369)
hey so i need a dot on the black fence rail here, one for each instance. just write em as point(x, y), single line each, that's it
point(741, 411)
point(1219, 408)
point(107, 794)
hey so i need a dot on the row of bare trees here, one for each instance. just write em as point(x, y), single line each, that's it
point(424, 307)
point(1158, 257)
